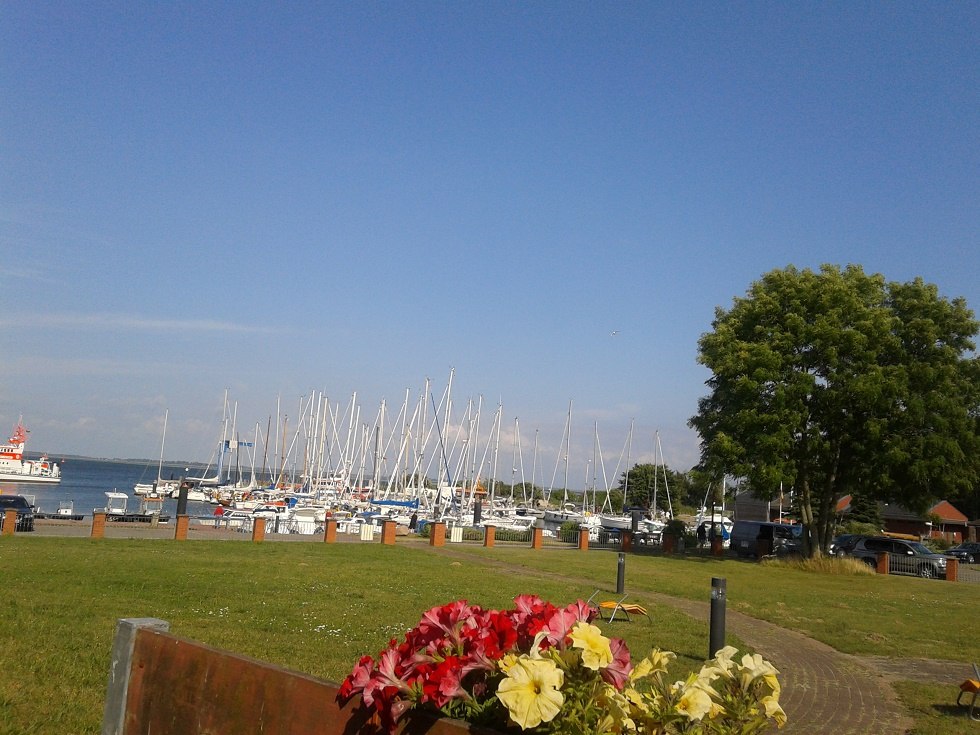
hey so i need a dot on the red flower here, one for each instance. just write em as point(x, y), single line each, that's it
point(452, 655)
point(357, 679)
point(443, 682)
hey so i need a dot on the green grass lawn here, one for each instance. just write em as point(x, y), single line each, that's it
point(866, 614)
point(316, 607)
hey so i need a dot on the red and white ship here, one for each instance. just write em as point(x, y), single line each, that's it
point(15, 468)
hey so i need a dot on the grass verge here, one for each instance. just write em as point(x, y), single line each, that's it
point(934, 708)
point(860, 614)
point(312, 607)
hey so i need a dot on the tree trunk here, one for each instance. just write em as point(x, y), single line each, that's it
point(825, 519)
point(806, 515)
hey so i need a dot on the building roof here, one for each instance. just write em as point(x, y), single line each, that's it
point(946, 511)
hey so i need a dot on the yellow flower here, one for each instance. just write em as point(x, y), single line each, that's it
point(755, 667)
point(694, 703)
point(617, 710)
point(641, 701)
point(655, 663)
point(508, 660)
point(530, 691)
point(723, 658)
point(596, 653)
point(773, 710)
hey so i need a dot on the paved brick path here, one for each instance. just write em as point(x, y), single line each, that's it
point(824, 691)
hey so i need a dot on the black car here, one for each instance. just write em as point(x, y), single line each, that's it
point(968, 551)
point(904, 557)
point(25, 511)
point(840, 544)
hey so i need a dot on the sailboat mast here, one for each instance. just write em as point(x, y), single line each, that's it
point(163, 441)
point(534, 467)
point(629, 451)
point(568, 444)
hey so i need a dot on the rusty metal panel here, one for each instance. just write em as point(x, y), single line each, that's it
point(181, 687)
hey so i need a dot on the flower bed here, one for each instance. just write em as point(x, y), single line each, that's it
point(548, 669)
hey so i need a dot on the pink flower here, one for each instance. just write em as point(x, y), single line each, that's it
point(560, 624)
point(357, 679)
point(617, 673)
point(391, 670)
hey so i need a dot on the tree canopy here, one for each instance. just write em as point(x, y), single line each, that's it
point(837, 382)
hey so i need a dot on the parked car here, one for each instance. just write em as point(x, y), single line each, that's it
point(968, 551)
point(25, 511)
point(904, 557)
point(842, 543)
point(784, 538)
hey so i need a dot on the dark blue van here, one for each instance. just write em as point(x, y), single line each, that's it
point(782, 538)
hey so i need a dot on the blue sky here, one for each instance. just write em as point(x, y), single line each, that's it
point(279, 198)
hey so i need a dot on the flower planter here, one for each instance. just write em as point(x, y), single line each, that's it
point(161, 684)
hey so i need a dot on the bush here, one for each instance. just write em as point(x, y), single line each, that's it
point(839, 565)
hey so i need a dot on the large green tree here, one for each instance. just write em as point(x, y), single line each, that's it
point(836, 381)
point(646, 483)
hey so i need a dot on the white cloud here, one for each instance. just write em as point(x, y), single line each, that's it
point(74, 366)
point(117, 322)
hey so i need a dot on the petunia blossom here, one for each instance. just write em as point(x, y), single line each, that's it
point(618, 671)
point(530, 691)
point(694, 703)
point(596, 653)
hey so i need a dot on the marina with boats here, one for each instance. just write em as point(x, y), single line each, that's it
point(423, 461)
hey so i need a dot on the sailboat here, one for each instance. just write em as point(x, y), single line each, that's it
point(160, 487)
point(567, 512)
point(607, 518)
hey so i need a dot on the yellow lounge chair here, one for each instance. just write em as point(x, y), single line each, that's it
point(616, 606)
point(971, 686)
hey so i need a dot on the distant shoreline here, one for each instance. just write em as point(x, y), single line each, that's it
point(59, 458)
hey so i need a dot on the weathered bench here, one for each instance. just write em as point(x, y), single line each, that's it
point(161, 684)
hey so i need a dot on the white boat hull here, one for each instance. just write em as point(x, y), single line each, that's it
point(23, 477)
point(616, 523)
point(15, 467)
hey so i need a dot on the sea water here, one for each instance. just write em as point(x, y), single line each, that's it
point(85, 482)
